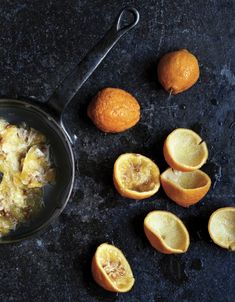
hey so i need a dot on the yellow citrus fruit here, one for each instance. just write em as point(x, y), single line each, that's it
point(136, 176)
point(185, 188)
point(221, 227)
point(114, 110)
point(111, 270)
point(178, 71)
point(184, 150)
point(166, 232)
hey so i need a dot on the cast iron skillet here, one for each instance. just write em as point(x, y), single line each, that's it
point(48, 119)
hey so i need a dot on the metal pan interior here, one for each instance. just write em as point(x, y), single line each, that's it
point(55, 196)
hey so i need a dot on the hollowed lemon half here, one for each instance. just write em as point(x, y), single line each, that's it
point(184, 150)
point(185, 188)
point(111, 270)
point(221, 227)
point(136, 176)
point(166, 232)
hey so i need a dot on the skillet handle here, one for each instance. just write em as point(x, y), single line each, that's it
point(66, 90)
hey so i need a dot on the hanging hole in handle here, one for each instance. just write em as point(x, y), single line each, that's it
point(127, 19)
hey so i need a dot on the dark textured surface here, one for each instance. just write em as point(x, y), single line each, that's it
point(40, 42)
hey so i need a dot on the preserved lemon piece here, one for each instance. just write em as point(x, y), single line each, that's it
point(35, 138)
point(12, 146)
point(6, 224)
point(36, 168)
point(3, 125)
point(136, 176)
point(111, 270)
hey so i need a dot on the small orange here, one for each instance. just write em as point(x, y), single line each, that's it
point(178, 71)
point(184, 150)
point(166, 232)
point(136, 176)
point(114, 110)
point(185, 188)
point(221, 227)
point(111, 270)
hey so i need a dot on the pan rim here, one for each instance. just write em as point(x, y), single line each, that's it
point(31, 234)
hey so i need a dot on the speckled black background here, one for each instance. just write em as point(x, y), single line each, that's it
point(40, 42)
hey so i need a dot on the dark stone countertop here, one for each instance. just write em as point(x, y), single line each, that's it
point(40, 42)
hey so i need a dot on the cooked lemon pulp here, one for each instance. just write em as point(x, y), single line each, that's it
point(116, 267)
point(138, 174)
point(26, 168)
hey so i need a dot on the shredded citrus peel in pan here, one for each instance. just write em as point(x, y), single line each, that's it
point(26, 167)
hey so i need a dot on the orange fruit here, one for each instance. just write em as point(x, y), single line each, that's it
point(178, 71)
point(111, 270)
point(166, 232)
point(114, 110)
point(136, 176)
point(184, 150)
point(221, 227)
point(185, 188)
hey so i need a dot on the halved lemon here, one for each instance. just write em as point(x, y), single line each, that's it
point(184, 150)
point(185, 188)
point(136, 176)
point(166, 232)
point(221, 227)
point(111, 270)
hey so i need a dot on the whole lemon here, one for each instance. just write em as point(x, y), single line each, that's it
point(178, 71)
point(114, 110)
